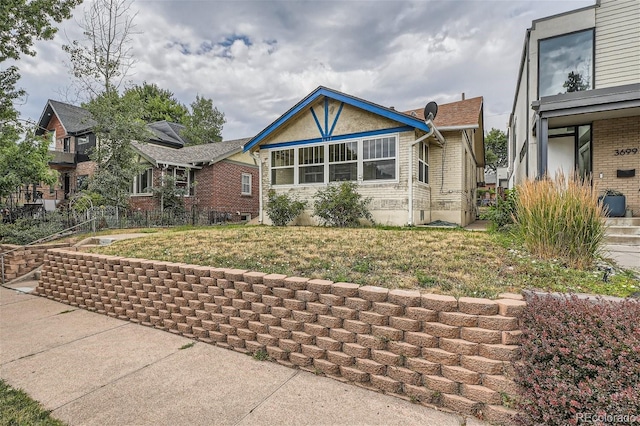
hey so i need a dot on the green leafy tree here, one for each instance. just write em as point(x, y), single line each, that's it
point(204, 123)
point(495, 149)
point(341, 205)
point(22, 22)
point(117, 125)
point(575, 82)
point(159, 104)
point(169, 195)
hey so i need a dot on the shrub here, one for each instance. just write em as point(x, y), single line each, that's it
point(282, 209)
point(502, 214)
point(25, 231)
point(560, 219)
point(579, 358)
point(341, 205)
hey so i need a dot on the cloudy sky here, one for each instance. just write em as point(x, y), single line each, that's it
point(256, 59)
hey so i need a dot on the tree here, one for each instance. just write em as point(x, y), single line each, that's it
point(159, 104)
point(495, 149)
point(204, 124)
point(575, 82)
point(101, 62)
point(23, 22)
point(117, 125)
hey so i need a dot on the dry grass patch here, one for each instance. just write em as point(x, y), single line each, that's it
point(456, 262)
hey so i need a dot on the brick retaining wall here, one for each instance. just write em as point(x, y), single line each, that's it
point(430, 348)
point(24, 259)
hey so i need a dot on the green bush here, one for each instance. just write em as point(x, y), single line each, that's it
point(560, 219)
point(282, 209)
point(341, 205)
point(25, 231)
point(502, 214)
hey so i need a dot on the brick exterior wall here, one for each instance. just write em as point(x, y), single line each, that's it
point(611, 135)
point(431, 348)
point(218, 187)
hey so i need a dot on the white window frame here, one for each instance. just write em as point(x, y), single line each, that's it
point(135, 190)
point(384, 157)
point(423, 163)
point(245, 183)
point(339, 162)
point(360, 161)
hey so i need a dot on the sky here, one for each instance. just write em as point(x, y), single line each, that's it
point(257, 59)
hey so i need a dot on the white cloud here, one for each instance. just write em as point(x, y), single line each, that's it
point(256, 59)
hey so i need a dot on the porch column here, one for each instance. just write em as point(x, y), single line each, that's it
point(543, 146)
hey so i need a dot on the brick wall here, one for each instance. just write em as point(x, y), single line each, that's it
point(611, 135)
point(21, 260)
point(431, 348)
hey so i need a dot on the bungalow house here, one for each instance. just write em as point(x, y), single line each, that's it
point(216, 176)
point(577, 101)
point(226, 178)
point(415, 171)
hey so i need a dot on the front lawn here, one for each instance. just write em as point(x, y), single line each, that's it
point(17, 408)
point(456, 262)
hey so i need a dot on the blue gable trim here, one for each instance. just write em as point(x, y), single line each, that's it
point(345, 99)
point(315, 118)
point(335, 120)
point(340, 137)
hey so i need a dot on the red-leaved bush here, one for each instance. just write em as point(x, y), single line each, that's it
point(580, 362)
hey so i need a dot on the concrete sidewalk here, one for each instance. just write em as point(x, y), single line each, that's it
point(90, 369)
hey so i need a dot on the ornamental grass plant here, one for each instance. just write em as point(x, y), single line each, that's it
point(561, 219)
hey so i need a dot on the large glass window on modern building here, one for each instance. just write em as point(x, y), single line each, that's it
point(566, 63)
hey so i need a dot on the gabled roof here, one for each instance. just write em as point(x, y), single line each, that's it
point(455, 114)
point(321, 92)
point(190, 156)
point(74, 119)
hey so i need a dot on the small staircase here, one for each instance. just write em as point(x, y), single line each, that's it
point(623, 231)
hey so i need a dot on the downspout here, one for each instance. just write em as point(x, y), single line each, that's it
point(256, 159)
point(432, 131)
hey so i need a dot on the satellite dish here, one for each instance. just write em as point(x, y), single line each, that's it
point(430, 111)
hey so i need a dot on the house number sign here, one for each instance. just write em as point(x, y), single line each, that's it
point(626, 151)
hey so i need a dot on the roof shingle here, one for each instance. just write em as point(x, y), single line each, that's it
point(460, 113)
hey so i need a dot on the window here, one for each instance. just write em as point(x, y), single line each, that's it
point(82, 140)
point(423, 163)
point(378, 157)
point(311, 164)
point(52, 144)
point(66, 145)
point(343, 161)
point(142, 183)
point(192, 182)
point(565, 63)
point(282, 167)
point(246, 184)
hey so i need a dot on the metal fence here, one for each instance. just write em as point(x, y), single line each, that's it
point(114, 217)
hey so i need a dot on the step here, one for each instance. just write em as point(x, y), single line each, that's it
point(623, 221)
point(629, 240)
point(623, 230)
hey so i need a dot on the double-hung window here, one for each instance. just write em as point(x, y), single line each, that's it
point(423, 163)
point(142, 183)
point(282, 167)
point(246, 184)
point(343, 161)
point(311, 164)
point(379, 158)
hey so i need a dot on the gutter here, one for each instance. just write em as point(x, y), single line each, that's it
point(256, 159)
point(440, 138)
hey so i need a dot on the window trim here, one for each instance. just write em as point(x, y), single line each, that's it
point(422, 164)
point(242, 184)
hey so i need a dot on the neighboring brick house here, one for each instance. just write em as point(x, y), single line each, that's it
point(227, 179)
point(577, 100)
point(397, 158)
point(218, 176)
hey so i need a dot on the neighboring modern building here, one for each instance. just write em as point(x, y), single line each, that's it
point(415, 171)
point(577, 100)
point(218, 175)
